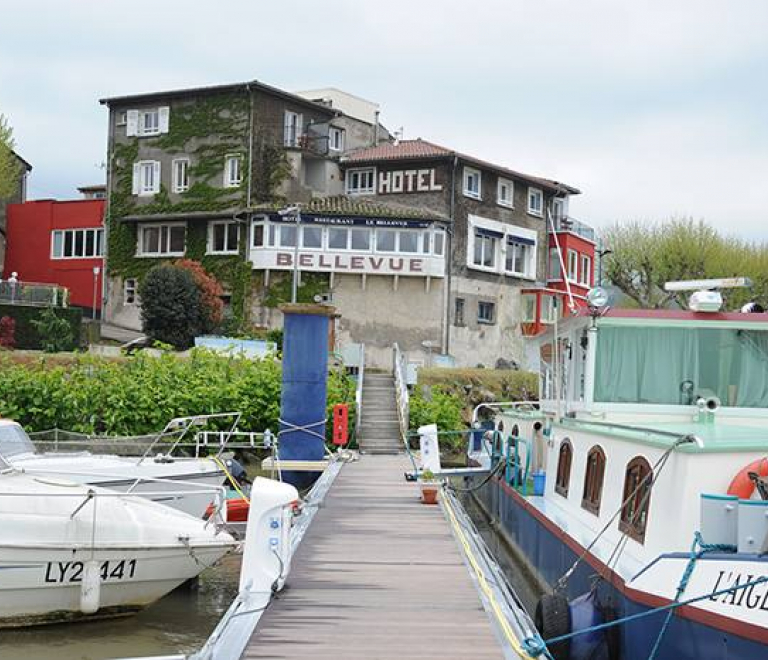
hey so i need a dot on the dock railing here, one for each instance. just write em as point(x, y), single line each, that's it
point(359, 393)
point(401, 391)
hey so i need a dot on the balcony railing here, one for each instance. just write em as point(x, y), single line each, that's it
point(309, 141)
point(567, 223)
point(33, 293)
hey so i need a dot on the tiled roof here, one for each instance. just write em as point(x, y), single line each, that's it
point(345, 205)
point(422, 149)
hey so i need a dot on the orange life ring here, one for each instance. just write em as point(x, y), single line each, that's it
point(742, 486)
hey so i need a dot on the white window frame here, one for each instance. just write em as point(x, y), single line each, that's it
point(98, 243)
point(142, 168)
point(554, 259)
point(572, 264)
point(585, 274)
point(510, 201)
point(229, 181)
point(130, 288)
point(122, 118)
point(529, 315)
point(260, 222)
point(433, 243)
point(561, 214)
point(468, 174)
point(359, 171)
point(323, 239)
point(484, 248)
point(548, 310)
point(336, 144)
point(141, 252)
point(292, 127)
point(176, 164)
point(525, 257)
point(484, 321)
point(535, 193)
point(210, 249)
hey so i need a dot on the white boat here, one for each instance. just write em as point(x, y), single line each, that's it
point(70, 552)
point(651, 430)
point(182, 483)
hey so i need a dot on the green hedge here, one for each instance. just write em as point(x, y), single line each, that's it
point(27, 336)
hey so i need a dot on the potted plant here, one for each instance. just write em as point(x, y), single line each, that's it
point(429, 487)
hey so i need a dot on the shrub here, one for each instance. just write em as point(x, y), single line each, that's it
point(26, 334)
point(435, 406)
point(55, 333)
point(7, 332)
point(210, 294)
point(171, 307)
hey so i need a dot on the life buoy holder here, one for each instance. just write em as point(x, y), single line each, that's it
point(742, 486)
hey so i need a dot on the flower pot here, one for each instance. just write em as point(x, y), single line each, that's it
point(429, 493)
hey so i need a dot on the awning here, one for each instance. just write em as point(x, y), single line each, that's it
point(482, 231)
point(519, 239)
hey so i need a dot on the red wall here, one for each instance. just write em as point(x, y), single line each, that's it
point(29, 239)
point(570, 241)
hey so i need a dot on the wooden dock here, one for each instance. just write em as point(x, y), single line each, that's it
point(378, 576)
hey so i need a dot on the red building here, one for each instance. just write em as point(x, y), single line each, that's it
point(52, 242)
point(570, 275)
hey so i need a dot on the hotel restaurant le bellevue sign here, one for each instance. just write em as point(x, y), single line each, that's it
point(351, 261)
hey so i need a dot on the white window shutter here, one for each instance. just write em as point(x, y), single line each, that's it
point(156, 176)
point(136, 177)
point(164, 114)
point(132, 123)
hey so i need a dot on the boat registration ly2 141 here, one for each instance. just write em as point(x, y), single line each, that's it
point(65, 572)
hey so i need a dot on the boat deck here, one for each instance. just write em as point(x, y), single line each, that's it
point(379, 575)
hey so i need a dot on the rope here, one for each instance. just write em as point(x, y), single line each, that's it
point(483, 582)
point(698, 542)
point(230, 478)
point(536, 647)
point(306, 428)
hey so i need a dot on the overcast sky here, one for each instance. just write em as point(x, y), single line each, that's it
point(652, 108)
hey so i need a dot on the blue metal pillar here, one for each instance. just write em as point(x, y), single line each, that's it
point(305, 384)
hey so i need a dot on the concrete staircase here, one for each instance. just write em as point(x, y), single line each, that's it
point(379, 427)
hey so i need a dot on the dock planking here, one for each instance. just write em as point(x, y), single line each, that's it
point(378, 576)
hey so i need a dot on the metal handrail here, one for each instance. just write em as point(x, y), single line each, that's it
point(359, 393)
point(17, 292)
point(401, 391)
point(503, 404)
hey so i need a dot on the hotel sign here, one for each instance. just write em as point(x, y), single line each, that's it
point(407, 181)
point(350, 262)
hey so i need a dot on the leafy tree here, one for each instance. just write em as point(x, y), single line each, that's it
point(9, 165)
point(210, 293)
point(646, 255)
point(171, 307)
point(55, 333)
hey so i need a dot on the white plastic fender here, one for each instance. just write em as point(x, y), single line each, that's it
point(430, 448)
point(90, 588)
point(267, 549)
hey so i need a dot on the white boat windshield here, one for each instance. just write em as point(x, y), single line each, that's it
point(14, 441)
point(677, 365)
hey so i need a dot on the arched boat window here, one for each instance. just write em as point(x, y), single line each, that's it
point(637, 495)
point(515, 431)
point(564, 468)
point(593, 480)
point(500, 427)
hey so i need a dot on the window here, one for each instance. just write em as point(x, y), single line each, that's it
point(505, 192)
point(162, 240)
point(129, 291)
point(535, 201)
point(122, 118)
point(472, 183)
point(558, 209)
point(593, 480)
point(292, 132)
point(437, 243)
point(146, 123)
point(312, 237)
point(458, 314)
point(361, 239)
point(385, 240)
point(360, 181)
point(555, 272)
point(638, 480)
point(233, 171)
point(485, 249)
point(287, 235)
point(573, 265)
point(408, 241)
point(549, 306)
point(529, 308)
point(518, 256)
point(77, 243)
point(486, 312)
point(338, 238)
point(585, 274)
point(223, 237)
point(564, 468)
point(180, 168)
point(146, 177)
point(257, 234)
point(336, 139)
point(149, 122)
